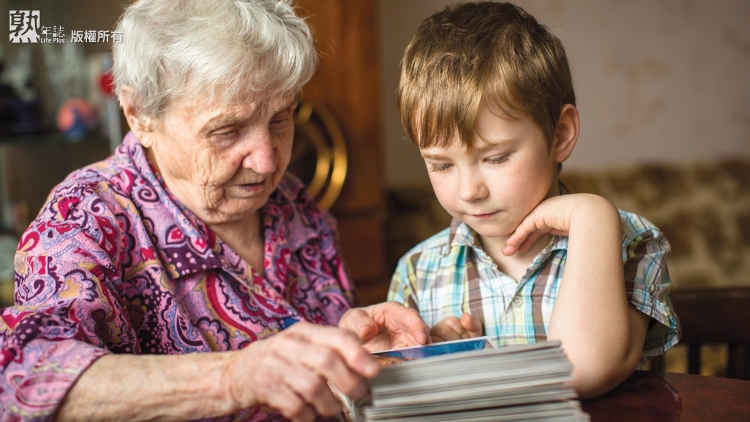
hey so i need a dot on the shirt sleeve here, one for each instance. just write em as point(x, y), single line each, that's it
point(66, 312)
point(647, 281)
point(403, 288)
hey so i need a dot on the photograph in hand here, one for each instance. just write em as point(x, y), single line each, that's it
point(393, 356)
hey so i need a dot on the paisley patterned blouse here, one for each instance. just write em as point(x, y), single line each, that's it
point(114, 264)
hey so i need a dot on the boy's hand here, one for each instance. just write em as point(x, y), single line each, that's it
point(453, 328)
point(553, 215)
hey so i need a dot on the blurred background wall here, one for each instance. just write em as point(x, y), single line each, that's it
point(656, 81)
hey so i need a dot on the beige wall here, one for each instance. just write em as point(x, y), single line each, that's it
point(655, 80)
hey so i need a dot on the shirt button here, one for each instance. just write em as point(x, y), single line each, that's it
point(516, 301)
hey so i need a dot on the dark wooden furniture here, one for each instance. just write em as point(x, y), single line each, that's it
point(654, 396)
point(715, 315)
point(348, 84)
point(32, 165)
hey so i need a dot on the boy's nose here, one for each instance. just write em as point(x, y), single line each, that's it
point(472, 188)
point(260, 153)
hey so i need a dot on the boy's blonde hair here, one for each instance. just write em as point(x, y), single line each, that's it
point(472, 53)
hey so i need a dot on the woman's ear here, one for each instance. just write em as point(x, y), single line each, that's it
point(142, 126)
point(566, 133)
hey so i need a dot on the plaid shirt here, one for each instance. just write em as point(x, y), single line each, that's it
point(449, 274)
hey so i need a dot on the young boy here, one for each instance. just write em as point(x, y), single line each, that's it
point(486, 93)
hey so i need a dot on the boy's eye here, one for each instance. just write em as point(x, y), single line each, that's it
point(498, 159)
point(439, 167)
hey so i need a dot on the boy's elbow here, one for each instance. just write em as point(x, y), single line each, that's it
point(593, 380)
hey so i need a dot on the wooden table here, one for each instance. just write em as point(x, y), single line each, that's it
point(653, 396)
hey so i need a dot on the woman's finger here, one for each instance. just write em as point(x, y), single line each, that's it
point(397, 318)
point(312, 386)
point(329, 365)
point(290, 405)
point(359, 322)
point(343, 343)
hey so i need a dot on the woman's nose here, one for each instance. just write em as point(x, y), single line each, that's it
point(472, 188)
point(260, 153)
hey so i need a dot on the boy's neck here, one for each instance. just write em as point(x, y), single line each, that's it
point(516, 264)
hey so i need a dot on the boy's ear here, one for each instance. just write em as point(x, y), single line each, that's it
point(141, 125)
point(566, 133)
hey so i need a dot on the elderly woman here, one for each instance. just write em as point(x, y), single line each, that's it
point(191, 238)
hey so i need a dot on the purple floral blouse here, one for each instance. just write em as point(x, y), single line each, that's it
point(115, 264)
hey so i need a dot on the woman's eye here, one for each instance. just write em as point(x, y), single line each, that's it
point(282, 118)
point(498, 159)
point(227, 133)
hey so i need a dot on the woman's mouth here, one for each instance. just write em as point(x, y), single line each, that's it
point(252, 188)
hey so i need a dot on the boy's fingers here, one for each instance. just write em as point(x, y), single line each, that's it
point(530, 240)
point(447, 329)
point(471, 325)
point(439, 334)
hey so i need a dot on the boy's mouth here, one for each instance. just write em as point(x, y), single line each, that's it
point(484, 216)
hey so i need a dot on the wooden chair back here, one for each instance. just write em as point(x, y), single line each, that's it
point(715, 315)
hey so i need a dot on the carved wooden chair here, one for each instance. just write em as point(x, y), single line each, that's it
point(710, 316)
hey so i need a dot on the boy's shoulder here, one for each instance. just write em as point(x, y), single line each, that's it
point(636, 227)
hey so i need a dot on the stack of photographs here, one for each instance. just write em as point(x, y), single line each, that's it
point(469, 380)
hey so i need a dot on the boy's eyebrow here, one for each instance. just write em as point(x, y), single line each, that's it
point(485, 146)
point(432, 156)
point(492, 144)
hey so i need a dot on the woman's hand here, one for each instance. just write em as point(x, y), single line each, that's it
point(290, 371)
point(453, 328)
point(385, 326)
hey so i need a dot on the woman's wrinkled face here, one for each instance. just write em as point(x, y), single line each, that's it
point(223, 161)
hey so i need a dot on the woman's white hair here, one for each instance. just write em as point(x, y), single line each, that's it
point(223, 49)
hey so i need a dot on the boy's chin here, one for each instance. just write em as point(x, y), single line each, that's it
point(488, 231)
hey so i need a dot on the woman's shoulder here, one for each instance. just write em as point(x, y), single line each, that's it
point(102, 189)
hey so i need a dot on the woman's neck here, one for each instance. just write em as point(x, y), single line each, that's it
point(245, 237)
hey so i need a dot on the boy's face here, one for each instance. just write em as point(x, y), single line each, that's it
point(493, 187)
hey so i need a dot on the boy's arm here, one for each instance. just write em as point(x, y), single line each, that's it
point(602, 335)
